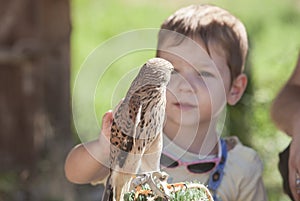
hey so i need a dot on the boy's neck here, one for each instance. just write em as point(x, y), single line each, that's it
point(202, 140)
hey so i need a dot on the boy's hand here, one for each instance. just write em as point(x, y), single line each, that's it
point(104, 137)
point(89, 162)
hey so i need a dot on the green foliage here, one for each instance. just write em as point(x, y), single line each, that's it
point(273, 29)
point(190, 194)
point(8, 184)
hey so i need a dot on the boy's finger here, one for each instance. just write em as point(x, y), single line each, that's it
point(106, 122)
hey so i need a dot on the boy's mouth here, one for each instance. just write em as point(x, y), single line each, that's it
point(185, 106)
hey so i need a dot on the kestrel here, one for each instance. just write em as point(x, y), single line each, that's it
point(136, 132)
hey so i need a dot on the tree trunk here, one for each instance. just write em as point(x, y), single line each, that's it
point(35, 98)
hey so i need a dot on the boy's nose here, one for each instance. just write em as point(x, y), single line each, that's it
point(185, 84)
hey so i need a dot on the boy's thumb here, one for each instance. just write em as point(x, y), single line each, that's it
point(107, 120)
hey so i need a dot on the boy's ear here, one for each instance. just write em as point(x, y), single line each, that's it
point(237, 89)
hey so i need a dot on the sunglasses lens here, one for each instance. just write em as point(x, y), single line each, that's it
point(168, 162)
point(201, 167)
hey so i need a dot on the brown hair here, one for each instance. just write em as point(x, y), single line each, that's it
point(212, 25)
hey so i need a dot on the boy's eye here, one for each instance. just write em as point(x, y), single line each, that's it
point(206, 74)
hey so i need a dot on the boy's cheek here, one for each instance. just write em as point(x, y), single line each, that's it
point(171, 90)
point(170, 96)
point(218, 103)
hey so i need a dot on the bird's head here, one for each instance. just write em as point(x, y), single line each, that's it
point(156, 71)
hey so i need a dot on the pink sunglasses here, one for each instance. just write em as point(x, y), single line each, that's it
point(199, 167)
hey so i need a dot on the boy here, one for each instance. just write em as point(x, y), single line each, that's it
point(207, 47)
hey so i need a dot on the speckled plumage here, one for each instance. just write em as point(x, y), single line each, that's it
point(136, 132)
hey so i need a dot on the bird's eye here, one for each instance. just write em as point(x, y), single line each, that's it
point(174, 72)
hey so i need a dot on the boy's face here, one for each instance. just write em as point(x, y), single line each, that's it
point(199, 84)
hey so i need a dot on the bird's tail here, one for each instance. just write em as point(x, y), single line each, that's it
point(108, 193)
point(116, 186)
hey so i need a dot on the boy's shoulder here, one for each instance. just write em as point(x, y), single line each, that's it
point(242, 158)
point(233, 144)
point(243, 170)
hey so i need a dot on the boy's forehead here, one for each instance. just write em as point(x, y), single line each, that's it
point(188, 51)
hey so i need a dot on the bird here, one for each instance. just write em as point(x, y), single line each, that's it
point(137, 128)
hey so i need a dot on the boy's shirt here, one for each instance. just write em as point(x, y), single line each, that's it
point(242, 180)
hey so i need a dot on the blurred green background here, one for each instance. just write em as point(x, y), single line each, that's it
point(274, 33)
